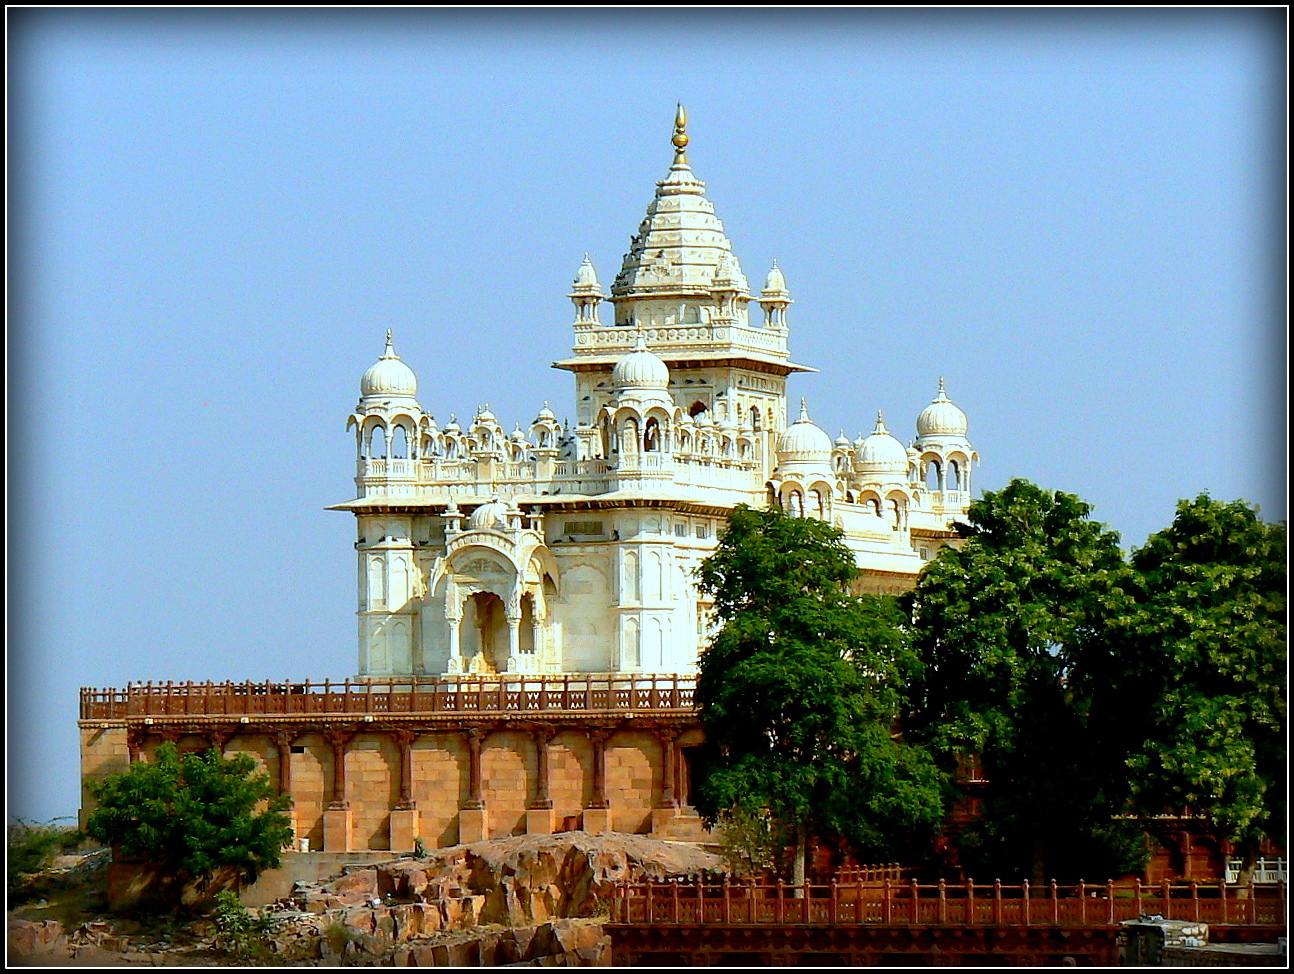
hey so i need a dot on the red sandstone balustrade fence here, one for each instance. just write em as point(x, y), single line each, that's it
point(446, 695)
point(952, 904)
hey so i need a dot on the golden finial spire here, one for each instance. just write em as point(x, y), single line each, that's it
point(680, 136)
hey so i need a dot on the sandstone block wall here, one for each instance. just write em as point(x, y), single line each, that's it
point(439, 788)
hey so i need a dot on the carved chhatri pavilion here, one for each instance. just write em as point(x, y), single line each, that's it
point(528, 620)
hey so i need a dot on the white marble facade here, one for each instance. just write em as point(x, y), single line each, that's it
point(570, 547)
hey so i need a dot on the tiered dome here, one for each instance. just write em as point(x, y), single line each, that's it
point(941, 417)
point(389, 377)
point(679, 244)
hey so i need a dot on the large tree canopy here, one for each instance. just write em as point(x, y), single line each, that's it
point(192, 815)
point(799, 691)
point(1011, 629)
point(1206, 648)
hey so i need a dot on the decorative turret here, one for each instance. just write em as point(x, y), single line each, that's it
point(803, 481)
point(729, 289)
point(945, 454)
point(387, 420)
point(775, 298)
point(586, 294)
point(487, 435)
point(546, 433)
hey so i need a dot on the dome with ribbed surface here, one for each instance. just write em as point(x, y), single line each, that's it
point(388, 376)
point(804, 441)
point(882, 452)
point(941, 417)
point(640, 369)
point(489, 515)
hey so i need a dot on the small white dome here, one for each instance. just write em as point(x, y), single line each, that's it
point(941, 417)
point(804, 441)
point(546, 415)
point(882, 452)
point(488, 515)
point(388, 376)
point(586, 278)
point(775, 283)
point(640, 369)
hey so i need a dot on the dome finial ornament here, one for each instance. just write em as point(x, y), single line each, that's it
point(390, 345)
point(680, 136)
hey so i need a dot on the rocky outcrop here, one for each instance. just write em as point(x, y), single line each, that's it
point(536, 900)
point(518, 881)
point(31, 938)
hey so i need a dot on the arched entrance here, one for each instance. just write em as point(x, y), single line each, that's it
point(488, 623)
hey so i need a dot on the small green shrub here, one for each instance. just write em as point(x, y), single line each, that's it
point(239, 932)
point(338, 935)
point(32, 847)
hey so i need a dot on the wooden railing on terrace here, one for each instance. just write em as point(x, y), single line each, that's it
point(446, 695)
point(887, 903)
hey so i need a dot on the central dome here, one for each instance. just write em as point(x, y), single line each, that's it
point(640, 369)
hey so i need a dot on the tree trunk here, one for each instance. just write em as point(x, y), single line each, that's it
point(1248, 865)
point(1039, 877)
point(798, 865)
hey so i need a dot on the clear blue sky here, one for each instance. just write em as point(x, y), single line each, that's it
point(1077, 217)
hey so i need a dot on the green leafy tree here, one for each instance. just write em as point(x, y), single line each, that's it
point(799, 691)
point(193, 816)
point(1011, 627)
point(1206, 651)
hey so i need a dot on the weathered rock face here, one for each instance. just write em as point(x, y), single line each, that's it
point(444, 910)
point(29, 938)
point(518, 881)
